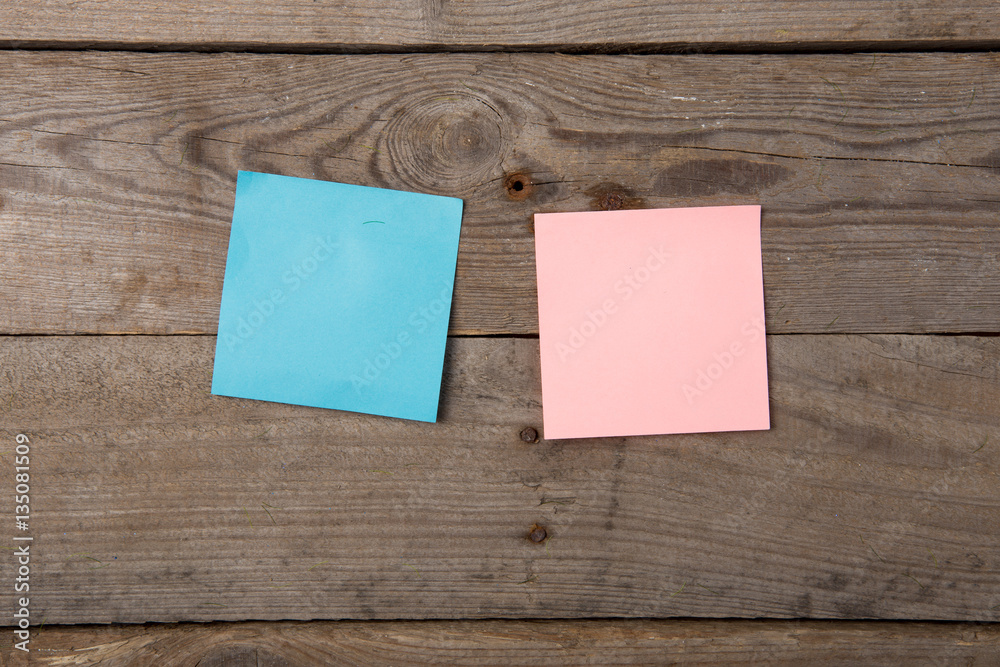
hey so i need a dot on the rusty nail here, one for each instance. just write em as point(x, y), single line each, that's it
point(537, 534)
point(612, 201)
point(529, 435)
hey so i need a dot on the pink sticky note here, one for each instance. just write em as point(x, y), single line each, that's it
point(651, 321)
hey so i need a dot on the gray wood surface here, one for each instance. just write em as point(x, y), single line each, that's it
point(878, 182)
point(874, 495)
point(621, 642)
point(377, 25)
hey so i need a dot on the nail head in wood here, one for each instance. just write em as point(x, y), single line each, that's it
point(537, 534)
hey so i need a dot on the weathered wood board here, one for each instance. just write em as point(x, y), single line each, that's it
point(602, 25)
point(874, 495)
point(583, 642)
point(879, 184)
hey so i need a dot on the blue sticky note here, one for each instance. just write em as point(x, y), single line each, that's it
point(337, 296)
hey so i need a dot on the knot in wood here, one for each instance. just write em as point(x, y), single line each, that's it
point(447, 143)
point(614, 197)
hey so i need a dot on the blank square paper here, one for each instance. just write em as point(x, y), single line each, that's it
point(651, 321)
point(337, 296)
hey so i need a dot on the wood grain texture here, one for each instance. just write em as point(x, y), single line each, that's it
point(878, 182)
point(872, 496)
point(377, 25)
point(590, 642)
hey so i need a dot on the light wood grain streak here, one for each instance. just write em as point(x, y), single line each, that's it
point(878, 183)
point(621, 642)
point(377, 25)
point(872, 496)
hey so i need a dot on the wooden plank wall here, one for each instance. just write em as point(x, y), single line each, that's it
point(874, 495)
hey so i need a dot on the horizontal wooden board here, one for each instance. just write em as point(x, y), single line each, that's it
point(878, 183)
point(620, 642)
point(377, 25)
point(872, 496)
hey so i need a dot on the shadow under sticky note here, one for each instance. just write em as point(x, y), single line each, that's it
point(651, 322)
point(337, 296)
